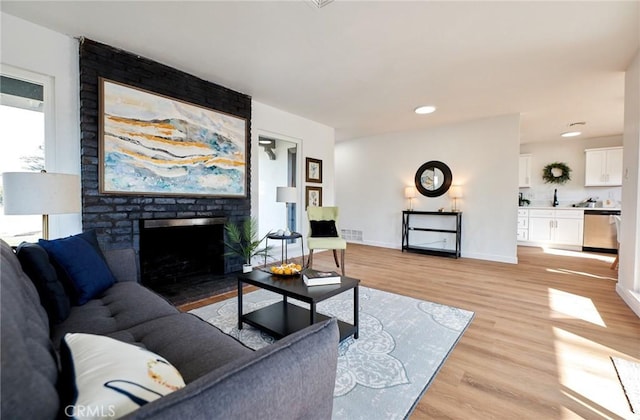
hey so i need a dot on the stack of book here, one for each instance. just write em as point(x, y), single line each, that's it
point(313, 277)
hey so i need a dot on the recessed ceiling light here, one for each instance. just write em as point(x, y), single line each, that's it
point(426, 109)
point(574, 129)
point(571, 133)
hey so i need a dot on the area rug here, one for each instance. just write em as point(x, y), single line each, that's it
point(629, 375)
point(403, 343)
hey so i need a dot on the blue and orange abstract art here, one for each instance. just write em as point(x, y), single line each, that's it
point(152, 144)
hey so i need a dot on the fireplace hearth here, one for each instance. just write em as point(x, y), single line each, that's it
point(183, 259)
point(197, 288)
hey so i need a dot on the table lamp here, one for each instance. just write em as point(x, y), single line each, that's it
point(40, 193)
point(286, 195)
point(455, 192)
point(410, 193)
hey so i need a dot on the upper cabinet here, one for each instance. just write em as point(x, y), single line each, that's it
point(524, 178)
point(603, 167)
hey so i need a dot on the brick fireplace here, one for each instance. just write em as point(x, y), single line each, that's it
point(118, 219)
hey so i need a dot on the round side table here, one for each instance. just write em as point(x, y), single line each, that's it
point(284, 257)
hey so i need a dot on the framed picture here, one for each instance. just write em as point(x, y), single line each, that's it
point(313, 196)
point(314, 170)
point(153, 144)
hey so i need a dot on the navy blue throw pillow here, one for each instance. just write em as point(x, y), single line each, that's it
point(323, 228)
point(91, 237)
point(83, 265)
point(35, 263)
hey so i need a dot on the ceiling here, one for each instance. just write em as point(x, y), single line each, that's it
point(362, 67)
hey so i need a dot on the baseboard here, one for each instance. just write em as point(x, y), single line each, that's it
point(490, 257)
point(631, 298)
point(380, 244)
point(475, 256)
point(550, 245)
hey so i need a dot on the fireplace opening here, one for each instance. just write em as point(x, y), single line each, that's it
point(183, 259)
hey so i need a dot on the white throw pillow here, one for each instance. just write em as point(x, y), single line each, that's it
point(109, 378)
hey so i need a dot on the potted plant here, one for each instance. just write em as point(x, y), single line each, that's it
point(243, 241)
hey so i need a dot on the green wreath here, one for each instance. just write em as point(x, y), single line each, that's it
point(556, 173)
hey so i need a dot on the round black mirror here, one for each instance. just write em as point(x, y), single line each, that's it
point(433, 178)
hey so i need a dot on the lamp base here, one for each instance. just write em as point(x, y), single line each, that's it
point(455, 209)
point(45, 226)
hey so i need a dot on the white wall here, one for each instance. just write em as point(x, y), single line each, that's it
point(39, 50)
point(371, 174)
point(629, 271)
point(570, 151)
point(314, 139)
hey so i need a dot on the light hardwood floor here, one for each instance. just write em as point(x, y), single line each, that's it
point(540, 343)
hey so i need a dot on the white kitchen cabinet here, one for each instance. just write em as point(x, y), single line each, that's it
point(556, 226)
point(569, 231)
point(524, 177)
point(603, 167)
point(523, 224)
point(540, 229)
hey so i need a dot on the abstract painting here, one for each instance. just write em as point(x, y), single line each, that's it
point(153, 144)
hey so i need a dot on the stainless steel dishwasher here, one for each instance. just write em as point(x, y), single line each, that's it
point(600, 231)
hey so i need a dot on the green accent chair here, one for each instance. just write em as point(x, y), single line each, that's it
point(334, 243)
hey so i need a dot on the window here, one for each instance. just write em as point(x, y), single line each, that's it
point(22, 144)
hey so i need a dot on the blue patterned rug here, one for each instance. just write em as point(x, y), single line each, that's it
point(381, 375)
point(629, 376)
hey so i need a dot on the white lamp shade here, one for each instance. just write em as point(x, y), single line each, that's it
point(455, 191)
point(40, 193)
point(286, 195)
point(409, 192)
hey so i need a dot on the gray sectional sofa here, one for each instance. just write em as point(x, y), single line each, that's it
point(293, 378)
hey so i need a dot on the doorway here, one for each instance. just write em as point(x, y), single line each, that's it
point(278, 167)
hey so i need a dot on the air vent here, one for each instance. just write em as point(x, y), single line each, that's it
point(350, 235)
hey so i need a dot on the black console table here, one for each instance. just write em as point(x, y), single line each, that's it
point(423, 221)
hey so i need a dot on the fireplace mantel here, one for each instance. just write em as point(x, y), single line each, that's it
point(199, 221)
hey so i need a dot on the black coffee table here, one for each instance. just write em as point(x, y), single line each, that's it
point(283, 318)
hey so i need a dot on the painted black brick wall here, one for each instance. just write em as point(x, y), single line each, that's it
point(116, 217)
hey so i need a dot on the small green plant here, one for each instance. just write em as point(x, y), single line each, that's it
point(243, 240)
